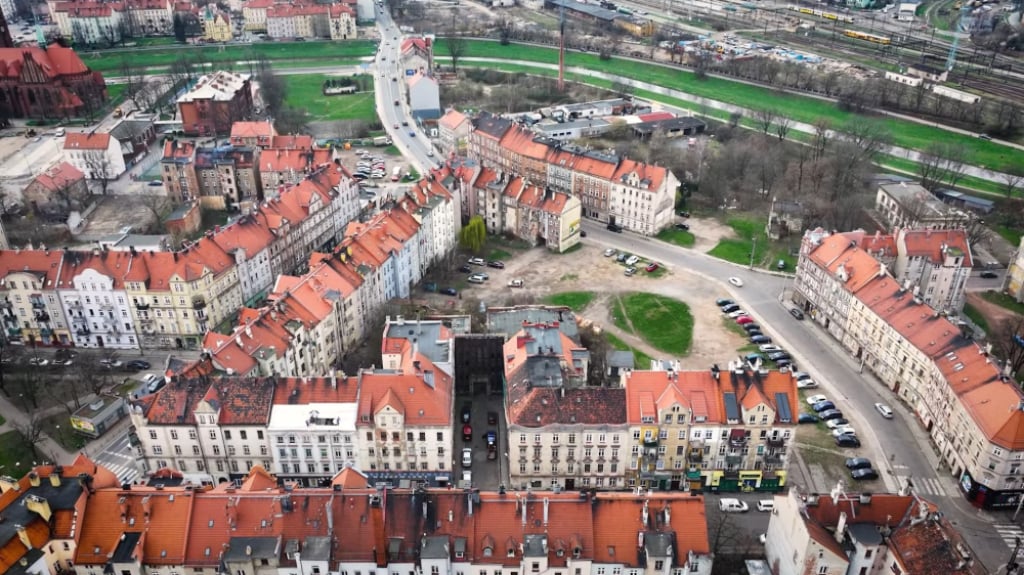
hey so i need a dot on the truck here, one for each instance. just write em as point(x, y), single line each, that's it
point(396, 173)
point(382, 141)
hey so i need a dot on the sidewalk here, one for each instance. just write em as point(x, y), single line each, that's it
point(17, 417)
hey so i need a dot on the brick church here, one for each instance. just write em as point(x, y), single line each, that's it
point(49, 82)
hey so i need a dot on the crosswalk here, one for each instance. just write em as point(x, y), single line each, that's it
point(922, 485)
point(126, 473)
point(1008, 532)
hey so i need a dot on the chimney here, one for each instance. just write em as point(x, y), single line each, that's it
point(55, 477)
point(841, 527)
point(8, 483)
point(644, 515)
point(546, 503)
point(33, 479)
point(38, 505)
point(23, 535)
point(147, 506)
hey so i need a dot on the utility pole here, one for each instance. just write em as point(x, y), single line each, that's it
point(1012, 565)
point(753, 250)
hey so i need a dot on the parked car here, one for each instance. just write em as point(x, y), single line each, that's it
point(632, 260)
point(630, 271)
point(729, 308)
point(781, 265)
point(492, 418)
point(609, 252)
point(491, 437)
point(806, 384)
point(884, 410)
point(449, 291)
point(110, 363)
point(988, 274)
point(736, 281)
point(652, 267)
point(515, 283)
point(745, 320)
point(496, 264)
point(466, 412)
point(476, 279)
point(829, 414)
point(858, 463)
point(807, 418)
point(751, 328)
point(798, 375)
point(467, 432)
point(823, 406)
point(844, 430)
point(864, 474)
point(682, 226)
point(621, 258)
point(777, 355)
point(723, 301)
point(467, 457)
point(796, 313)
point(783, 363)
point(753, 332)
point(767, 505)
point(732, 505)
point(847, 441)
point(737, 313)
point(38, 361)
point(153, 382)
point(614, 228)
point(464, 268)
point(760, 339)
point(815, 399)
point(477, 261)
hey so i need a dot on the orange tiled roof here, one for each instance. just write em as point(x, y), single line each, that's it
point(425, 396)
point(295, 390)
point(452, 119)
point(523, 142)
point(159, 518)
point(113, 264)
point(241, 400)
point(840, 251)
point(933, 244)
point(253, 129)
point(43, 263)
point(59, 176)
point(84, 141)
point(620, 518)
point(651, 177)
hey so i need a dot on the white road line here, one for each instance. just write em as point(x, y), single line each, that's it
point(1008, 532)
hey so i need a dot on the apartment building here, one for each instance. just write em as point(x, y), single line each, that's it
point(227, 177)
point(94, 301)
point(254, 14)
point(453, 131)
point(31, 307)
point(259, 526)
point(150, 17)
point(634, 195)
point(308, 21)
point(215, 102)
point(216, 24)
point(854, 533)
point(209, 430)
point(389, 243)
point(252, 134)
point(723, 430)
point(436, 210)
point(283, 167)
point(97, 155)
point(910, 205)
point(178, 171)
point(405, 424)
point(90, 23)
point(972, 412)
point(249, 244)
point(312, 429)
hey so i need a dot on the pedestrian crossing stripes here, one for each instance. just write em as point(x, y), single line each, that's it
point(124, 473)
point(922, 485)
point(1008, 532)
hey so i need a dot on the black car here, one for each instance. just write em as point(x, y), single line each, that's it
point(467, 410)
point(496, 265)
point(723, 301)
point(796, 313)
point(760, 339)
point(684, 214)
point(464, 268)
point(492, 418)
point(777, 355)
point(682, 226)
point(807, 418)
point(858, 463)
point(614, 228)
point(848, 441)
point(864, 474)
point(449, 291)
point(137, 364)
point(780, 363)
point(989, 274)
point(729, 308)
point(830, 414)
point(751, 328)
point(823, 406)
point(754, 333)
point(583, 233)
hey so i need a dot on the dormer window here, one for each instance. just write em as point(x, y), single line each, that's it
point(511, 552)
point(577, 552)
point(488, 551)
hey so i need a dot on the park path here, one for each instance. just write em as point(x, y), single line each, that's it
point(599, 311)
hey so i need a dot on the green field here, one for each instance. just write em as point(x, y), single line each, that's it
point(640, 359)
point(15, 456)
point(801, 108)
point(663, 322)
point(1004, 301)
point(752, 237)
point(976, 316)
point(111, 60)
point(577, 301)
point(305, 91)
point(676, 237)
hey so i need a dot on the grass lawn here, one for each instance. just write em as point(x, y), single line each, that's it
point(664, 323)
point(65, 436)
point(800, 108)
point(305, 91)
point(976, 316)
point(111, 60)
point(737, 250)
point(676, 237)
point(156, 41)
point(498, 254)
point(1009, 234)
point(116, 92)
point(1004, 301)
point(15, 456)
point(577, 301)
point(640, 359)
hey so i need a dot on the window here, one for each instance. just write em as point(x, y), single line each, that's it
point(227, 434)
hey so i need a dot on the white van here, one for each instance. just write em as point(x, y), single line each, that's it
point(467, 457)
point(59, 132)
point(732, 505)
point(884, 410)
point(766, 505)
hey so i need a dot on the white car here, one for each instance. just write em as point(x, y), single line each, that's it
point(477, 262)
point(632, 260)
point(732, 505)
point(768, 348)
point(806, 384)
point(476, 279)
point(843, 430)
point(736, 281)
point(836, 423)
point(515, 283)
point(816, 399)
point(467, 457)
point(737, 313)
point(798, 375)
point(766, 505)
point(884, 410)
point(609, 252)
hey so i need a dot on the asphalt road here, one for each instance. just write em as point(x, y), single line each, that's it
point(901, 442)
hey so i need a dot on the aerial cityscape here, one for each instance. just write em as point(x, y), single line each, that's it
point(511, 287)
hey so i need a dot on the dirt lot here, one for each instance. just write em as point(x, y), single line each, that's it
point(588, 270)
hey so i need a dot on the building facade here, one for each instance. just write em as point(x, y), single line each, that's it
point(97, 155)
point(216, 102)
point(94, 300)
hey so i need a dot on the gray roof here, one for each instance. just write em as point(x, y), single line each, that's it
point(435, 547)
point(126, 129)
point(126, 547)
point(535, 545)
point(317, 549)
point(249, 548)
point(425, 335)
point(509, 320)
point(30, 557)
point(60, 498)
point(659, 544)
point(588, 9)
point(559, 126)
point(620, 359)
point(494, 126)
point(680, 123)
point(904, 193)
point(865, 533)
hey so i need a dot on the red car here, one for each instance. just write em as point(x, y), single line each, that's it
point(744, 319)
point(652, 267)
point(467, 432)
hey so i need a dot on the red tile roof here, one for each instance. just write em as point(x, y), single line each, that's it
point(44, 264)
point(295, 390)
point(53, 61)
point(936, 244)
point(241, 400)
point(59, 176)
point(620, 517)
point(452, 119)
point(86, 141)
point(113, 264)
point(423, 397)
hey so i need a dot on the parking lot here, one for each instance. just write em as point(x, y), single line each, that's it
point(486, 473)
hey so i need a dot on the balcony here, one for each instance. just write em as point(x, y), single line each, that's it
point(42, 316)
point(11, 319)
point(737, 438)
point(141, 305)
point(775, 442)
point(733, 459)
point(773, 459)
point(38, 304)
point(198, 302)
point(84, 331)
point(650, 439)
point(695, 455)
point(75, 305)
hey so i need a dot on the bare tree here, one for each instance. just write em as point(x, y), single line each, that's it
point(456, 48)
point(157, 206)
point(134, 81)
point(1013, 175)
point(765, 118)
point(1004, 338)
point(782, 126)
point(31, 432)
point(100, 168)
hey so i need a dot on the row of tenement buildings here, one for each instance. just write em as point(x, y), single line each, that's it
point(727, 429)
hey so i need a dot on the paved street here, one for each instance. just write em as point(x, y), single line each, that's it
point(901, 442)
point(118, 458)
